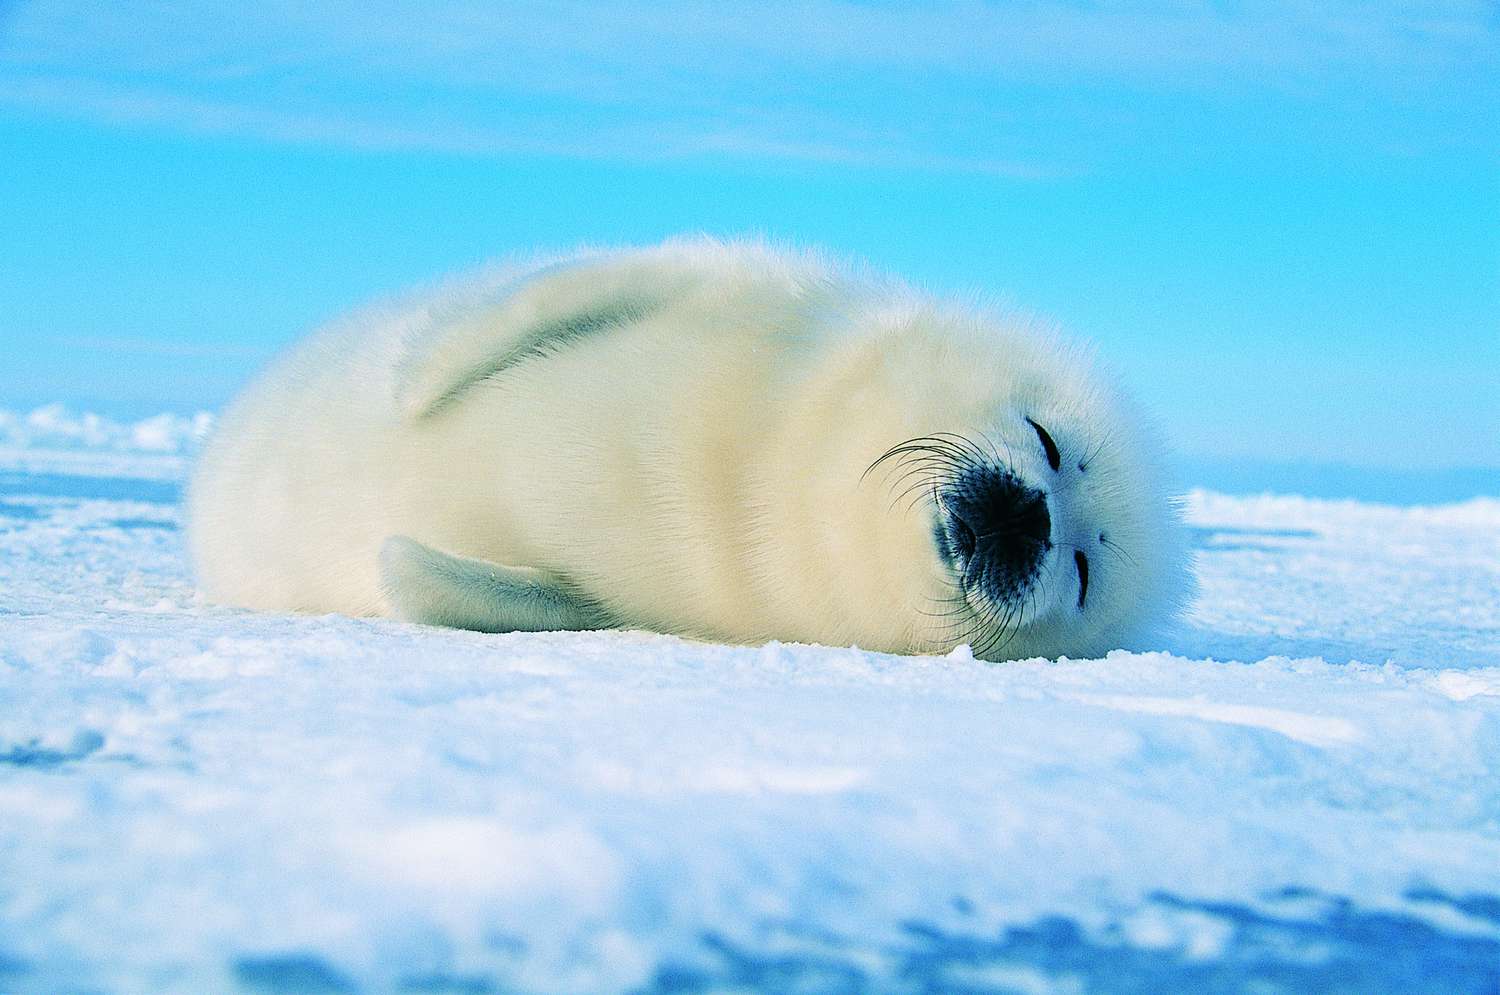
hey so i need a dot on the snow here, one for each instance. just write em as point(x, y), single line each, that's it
point(55, 426)
point(1300, 791)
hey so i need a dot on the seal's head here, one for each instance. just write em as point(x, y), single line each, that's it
point(1032, 492)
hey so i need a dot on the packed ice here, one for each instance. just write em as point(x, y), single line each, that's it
point(1298, 791)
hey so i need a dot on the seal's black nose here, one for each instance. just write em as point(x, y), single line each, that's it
point(997, 530)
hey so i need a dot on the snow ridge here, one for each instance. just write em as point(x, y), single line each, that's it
point(57, 427)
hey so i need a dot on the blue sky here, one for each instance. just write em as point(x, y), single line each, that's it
point(1280, 223)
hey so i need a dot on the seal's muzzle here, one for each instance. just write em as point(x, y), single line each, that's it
point(995, 532)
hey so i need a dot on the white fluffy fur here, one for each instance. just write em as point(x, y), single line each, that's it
point(698, 469)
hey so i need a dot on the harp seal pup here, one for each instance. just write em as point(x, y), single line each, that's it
point(724, 441)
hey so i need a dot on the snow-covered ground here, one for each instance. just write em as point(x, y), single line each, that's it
point(1300, 792)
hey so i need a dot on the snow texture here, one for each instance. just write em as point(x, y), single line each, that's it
point(1300, 792)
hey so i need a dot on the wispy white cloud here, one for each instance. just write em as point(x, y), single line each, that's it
point(504, 44)
point(1012, 89)
point(148, 105)
point(645, 140)
point(163, 348)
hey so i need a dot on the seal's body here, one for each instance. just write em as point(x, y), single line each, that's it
point(719, 441)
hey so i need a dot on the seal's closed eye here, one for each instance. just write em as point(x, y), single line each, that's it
point(1054, 458)
point(1082, 562)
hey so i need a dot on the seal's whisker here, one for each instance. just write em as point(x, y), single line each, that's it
point(910, 482)
point(976, 625)
point(1006, 632)
point(926, 450)
point(927, 444)
point(917, 498)
point(914, 461)
point(1118, 550)
point(987, 617)
point(953, 616)
point(956, 612)
point(920, 489)
point(930, 460)
point(994, 631)
point(962, 622)
point(918, 466)
point(994, 452)
point(964, 444)
point(1019, 618)
point(1104, 442)
point(1089, 454)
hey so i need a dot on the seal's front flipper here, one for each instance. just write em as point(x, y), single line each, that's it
point(436, 588)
